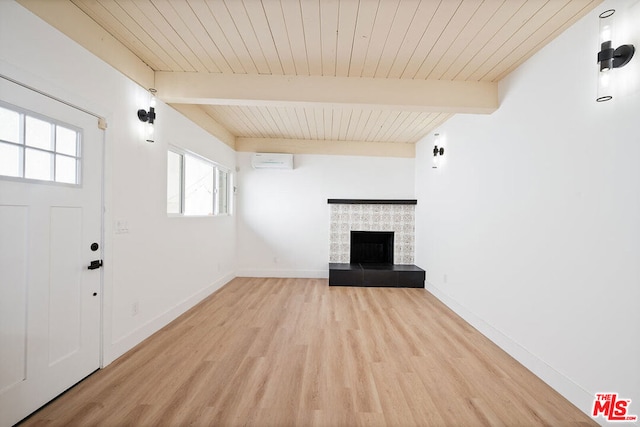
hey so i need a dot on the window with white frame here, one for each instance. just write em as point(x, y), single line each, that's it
point(222, 192)
point(196, 186)
point(38, 148)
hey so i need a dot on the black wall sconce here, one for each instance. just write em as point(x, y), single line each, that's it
point(610, 57)
point(149, 117)
point(437, 151)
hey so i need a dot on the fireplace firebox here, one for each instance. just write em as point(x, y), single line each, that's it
point(371, 247)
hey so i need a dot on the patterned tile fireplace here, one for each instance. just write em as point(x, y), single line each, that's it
point(384, 236)
point(372, 215)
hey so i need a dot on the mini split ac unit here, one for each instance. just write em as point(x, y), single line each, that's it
point(272, 161)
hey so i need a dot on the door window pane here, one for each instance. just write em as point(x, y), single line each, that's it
point(10, 160)
point(198, 187)
point(38, 133)
point(66, 141)
point(174, 182)
point(35, 148)
point(66, 169)
point(9, 125)
point(38, 164)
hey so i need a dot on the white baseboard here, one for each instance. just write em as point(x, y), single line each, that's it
point(297, 274)
point(126, 343)
point(573, 392)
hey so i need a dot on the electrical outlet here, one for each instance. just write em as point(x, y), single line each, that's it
point(445, 278)
point(135, 308)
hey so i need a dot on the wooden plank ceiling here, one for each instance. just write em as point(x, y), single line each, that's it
point(478, 41)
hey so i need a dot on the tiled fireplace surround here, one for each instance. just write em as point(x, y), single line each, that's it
point(376, 216)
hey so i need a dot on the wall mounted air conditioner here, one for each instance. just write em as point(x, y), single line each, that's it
point(272, 161)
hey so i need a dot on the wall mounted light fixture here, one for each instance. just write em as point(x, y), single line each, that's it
point(437, 151)
point(609, 57)
point(149, 117)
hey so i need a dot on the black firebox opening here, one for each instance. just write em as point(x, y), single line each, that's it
point(371, 247)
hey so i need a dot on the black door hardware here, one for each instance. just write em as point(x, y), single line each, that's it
point(95, 264)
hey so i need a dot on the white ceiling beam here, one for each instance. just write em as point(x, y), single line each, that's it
point(330, 147)
point(396, 94)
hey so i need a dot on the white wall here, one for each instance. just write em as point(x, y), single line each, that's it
point(531, 229)
point(283, 215)
point(165, 265)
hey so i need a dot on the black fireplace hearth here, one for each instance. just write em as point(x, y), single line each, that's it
point(376, 275)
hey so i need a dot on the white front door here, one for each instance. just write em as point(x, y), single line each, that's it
point(50, 232)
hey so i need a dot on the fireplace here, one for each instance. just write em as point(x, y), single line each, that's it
point(374, 215)
point(371, 247)
point(371, 243)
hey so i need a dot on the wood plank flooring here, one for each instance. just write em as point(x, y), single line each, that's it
point(284, 352)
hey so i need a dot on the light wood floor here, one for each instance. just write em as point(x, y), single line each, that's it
point(283, 352)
